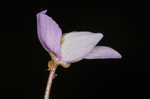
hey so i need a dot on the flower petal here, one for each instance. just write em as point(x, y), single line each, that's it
point(76, 45)
point(103, 52)
point(49, 33)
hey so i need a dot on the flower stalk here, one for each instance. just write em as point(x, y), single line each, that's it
point(50, 80)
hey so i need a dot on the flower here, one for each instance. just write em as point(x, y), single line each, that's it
point(71, 47)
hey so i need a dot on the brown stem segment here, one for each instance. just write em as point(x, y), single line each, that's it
point(49, 82)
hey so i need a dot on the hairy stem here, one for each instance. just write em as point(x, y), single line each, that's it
point(49, 82)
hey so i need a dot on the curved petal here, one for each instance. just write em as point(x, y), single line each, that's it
point(49, 33)
point(102, 52)
point(76, 45)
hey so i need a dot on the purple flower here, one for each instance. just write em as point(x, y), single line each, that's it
point(70, 47)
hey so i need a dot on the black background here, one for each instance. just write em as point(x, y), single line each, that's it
point(125, 28)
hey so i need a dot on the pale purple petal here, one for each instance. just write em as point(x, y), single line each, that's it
point(78, 44)
point(49, 33)
point(103, 52)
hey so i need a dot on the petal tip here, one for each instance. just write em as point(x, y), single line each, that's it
point(42, 12)
point(119, 56)
point(100, 35)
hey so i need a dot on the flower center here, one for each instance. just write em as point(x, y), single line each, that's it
point(61, 41)
point(55, 61)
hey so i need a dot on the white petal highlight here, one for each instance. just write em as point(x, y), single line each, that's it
point(76, 45)
point(103, 52)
